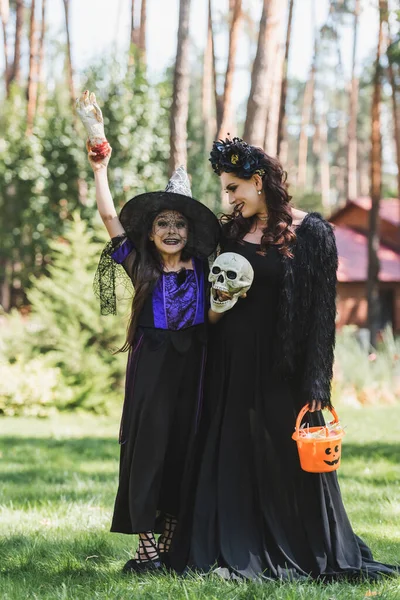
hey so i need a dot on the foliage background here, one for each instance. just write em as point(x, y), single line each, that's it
point(54, 344)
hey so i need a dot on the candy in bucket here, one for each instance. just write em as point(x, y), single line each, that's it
point(319, 447)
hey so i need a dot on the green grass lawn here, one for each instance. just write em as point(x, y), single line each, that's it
point(58, 481)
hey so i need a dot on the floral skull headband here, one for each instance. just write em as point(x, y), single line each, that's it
point(236, 156)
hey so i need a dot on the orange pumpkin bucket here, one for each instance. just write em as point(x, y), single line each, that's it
point(319, 448)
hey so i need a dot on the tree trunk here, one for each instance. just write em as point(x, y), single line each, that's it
point(4, 15)
point(180, 99)
point(6, 285)
point(317, 121)
point(226, 117)
point(376, 185)
point(82, 186)
point(396, 123)
point(257, 105)
point(33, 72)
point(317, 149)
point(133, 36)
point(342, 135)
point(70, 72)
point(364, 167)
point(306, 116)
point(208, 83)
point(41, 84)
point(395, 110)
point(15, 72)
point(305, 120)
point(142, 31)
point(218, 98)
point(272, 123)
point(282, 125)
point(352, 131)
point(324, 164)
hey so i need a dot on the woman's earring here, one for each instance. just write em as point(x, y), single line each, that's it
point(259, 192)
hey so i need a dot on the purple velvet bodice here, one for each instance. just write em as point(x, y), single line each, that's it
point(178, 298)
point(175, 300)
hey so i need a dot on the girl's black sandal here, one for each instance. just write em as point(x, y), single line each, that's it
point(151, 562)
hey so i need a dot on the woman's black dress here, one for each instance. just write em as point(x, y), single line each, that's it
point(256, 513)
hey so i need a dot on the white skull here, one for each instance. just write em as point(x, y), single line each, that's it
point(232, 275)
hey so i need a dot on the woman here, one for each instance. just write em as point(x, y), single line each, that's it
point(256, 513)
point(162, 240)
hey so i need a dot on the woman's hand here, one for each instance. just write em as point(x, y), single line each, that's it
point(98, 160)
point(314, 405)
point(214, 317)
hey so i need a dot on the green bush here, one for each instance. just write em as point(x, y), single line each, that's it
point(30, 388)
point(366, 377)
point(64, 348)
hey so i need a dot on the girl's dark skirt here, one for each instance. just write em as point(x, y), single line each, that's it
point(163, 396)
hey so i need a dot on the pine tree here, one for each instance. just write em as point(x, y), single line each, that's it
point(69, 330)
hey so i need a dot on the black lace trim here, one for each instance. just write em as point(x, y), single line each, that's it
point(110, 275)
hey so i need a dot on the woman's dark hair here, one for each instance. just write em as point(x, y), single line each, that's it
point(146, 270)
point(243, 161)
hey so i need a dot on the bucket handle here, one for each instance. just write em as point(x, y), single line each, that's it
point(305, 409)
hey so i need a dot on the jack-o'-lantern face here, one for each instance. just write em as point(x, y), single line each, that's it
point(332, 455)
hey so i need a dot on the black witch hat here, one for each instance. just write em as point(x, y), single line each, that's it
point(138, 213)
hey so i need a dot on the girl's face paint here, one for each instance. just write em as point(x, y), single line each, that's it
point(169, 232)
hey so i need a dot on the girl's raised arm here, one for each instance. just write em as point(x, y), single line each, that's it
point(99, 153)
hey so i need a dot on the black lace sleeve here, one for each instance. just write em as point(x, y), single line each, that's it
point(114, 271)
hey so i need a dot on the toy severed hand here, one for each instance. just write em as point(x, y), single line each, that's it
point(99, 150)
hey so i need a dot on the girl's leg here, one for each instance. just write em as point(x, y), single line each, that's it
point(165, 539)
point(147, 549)
point(147, 557)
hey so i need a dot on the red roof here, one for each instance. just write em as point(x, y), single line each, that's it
point(389, 208)
point(353, 257)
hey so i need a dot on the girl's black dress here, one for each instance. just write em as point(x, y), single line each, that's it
point(256, 513)
point(163, 397)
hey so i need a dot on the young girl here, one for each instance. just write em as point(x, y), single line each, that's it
point(162, 240)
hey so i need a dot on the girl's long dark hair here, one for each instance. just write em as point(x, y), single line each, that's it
point(146, 270)
point(278, 230)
